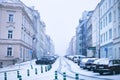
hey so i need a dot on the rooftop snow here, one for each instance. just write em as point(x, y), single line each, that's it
point(10, 1)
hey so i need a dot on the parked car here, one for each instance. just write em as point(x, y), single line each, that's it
point(46, 60)
point(70, 57)
point(83, 62)
point(88, 64)
point(108, 65)
point(93, 65)
point(75, 59)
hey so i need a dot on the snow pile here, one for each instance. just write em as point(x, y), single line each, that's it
point(23, 71)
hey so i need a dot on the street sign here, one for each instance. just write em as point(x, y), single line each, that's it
point(92, 48)
point(31, 51)
point(106, 49)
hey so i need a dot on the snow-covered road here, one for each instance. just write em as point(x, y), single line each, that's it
point(61, 65)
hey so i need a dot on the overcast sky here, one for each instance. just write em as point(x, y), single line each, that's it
point(61, 18)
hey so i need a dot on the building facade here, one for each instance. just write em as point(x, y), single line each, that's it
point(40, 40)
point(96, 30)
point(101, 31)
point(90, 49)
point(81, 33)
point(71, 50)
point(116, 29)
point(18, 29)
point(107, 22)
point(22, 34)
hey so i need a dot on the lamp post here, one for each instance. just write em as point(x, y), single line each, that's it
point(99, 33)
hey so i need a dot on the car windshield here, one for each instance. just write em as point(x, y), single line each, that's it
point(116, 61)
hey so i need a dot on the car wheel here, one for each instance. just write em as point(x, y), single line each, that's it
point(94, 71)
point(89, 69)
point(101, 73)
point(113, 72)
point(119, 72)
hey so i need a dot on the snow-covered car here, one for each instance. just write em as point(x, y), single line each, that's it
point(70, 57)
point(88, 64)
point(75, 59)
point(83, 62)
point(46, 60)
point(108, 65)
point(93, 65)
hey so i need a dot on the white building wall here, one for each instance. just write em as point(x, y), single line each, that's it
point(116, 30)
point(95, 30)
point(107, 30)
point(21, 42)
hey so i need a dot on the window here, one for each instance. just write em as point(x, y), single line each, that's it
point(24, 37)
point(10, 17)
point(101, 25)
point(9, 51)
point(106, 6)
point(101, 12)
point(110, 33)
point(10, 34)
point(119, 30)
point(1, 64)
point(101, 38)
point(21, 53)
point(110, 17)
point(106, 20)
point(109, 3)
point(115, 53)
point(80, 44)
point(119, 12)
point(119, 52)
point(115, 32)
point(80, 50)
point(110, 52)
point(114, 1)
point(106, 36)
point(114, 15)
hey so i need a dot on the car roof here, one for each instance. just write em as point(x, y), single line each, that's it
point(100, 60)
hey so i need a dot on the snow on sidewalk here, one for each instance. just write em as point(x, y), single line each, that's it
point(23, 70)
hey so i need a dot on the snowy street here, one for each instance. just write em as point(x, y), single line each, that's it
point(61, 65)
point(59, 39)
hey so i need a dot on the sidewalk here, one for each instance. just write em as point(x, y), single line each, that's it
point(24, 69)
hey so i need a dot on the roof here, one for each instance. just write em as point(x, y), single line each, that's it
point(9, 1)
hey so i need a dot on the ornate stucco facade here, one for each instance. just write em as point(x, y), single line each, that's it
point(17, 33)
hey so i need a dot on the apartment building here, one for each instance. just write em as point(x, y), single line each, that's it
point(89, 47)
point(108, 26)
point(71, 50)
point(96, 31)
point(81, 33)
point(17, 32)
point(116, 29)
